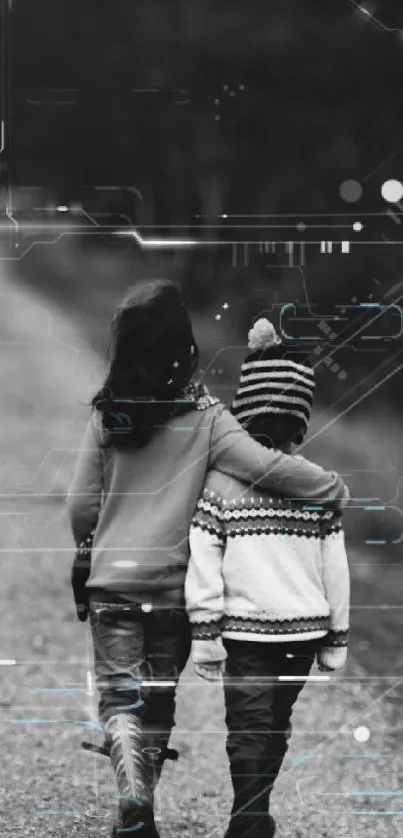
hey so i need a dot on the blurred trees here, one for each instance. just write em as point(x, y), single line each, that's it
point(313, 93)
point(199, 108)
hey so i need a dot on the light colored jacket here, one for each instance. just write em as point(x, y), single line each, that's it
point(265, 569)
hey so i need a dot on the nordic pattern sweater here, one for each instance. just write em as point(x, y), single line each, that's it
point(140, 502)
point(265, 569)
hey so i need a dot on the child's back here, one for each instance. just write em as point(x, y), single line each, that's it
point(278, 578)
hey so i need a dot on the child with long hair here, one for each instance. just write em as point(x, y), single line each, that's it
point(152, 436)
point(267, 587)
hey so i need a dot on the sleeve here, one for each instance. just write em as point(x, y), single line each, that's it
point(204, 585)
point(84, 496)
point(234, 452)
point(336, 582)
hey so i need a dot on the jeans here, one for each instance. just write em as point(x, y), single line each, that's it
point(139, 654)
point(258, 713)
point(132, 646)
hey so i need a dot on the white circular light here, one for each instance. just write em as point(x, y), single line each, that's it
point(357, 226)
point(392, 191)
point(362, 734)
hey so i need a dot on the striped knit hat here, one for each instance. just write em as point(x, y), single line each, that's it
point(271, 382)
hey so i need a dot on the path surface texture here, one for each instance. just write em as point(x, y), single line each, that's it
point(331, 784)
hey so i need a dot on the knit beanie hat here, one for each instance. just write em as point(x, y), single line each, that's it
point(274, 380)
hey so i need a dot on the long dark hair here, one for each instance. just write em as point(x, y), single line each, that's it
point(154, 356)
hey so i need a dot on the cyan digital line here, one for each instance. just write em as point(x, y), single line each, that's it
point(129, 685)
point(386, 308)
point(375, 541)
point(282, 330)
point(298, 760)
point(135, 706)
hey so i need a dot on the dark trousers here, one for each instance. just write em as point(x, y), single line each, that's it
point(139, 656)
point(258, 712)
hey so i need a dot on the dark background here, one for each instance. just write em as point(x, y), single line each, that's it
point(111, 110)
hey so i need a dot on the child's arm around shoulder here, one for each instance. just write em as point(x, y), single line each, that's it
point(234, 452)
point(84, 495)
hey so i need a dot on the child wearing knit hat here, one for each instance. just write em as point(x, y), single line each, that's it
point(267, 588)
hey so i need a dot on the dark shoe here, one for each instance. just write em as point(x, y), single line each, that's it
point(249, 826)
point(252, 782)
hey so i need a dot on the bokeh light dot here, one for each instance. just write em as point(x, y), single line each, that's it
point(301, 226)
point(357, 226)
point(362, 734)
point(392, 191)
point(350, 191)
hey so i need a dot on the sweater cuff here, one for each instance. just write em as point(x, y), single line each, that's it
point(208, 651)
point(333, 657)
point(336, 638)
point(206, 631)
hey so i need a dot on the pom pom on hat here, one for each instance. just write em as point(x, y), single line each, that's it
point(263, 335)
point(274, 381)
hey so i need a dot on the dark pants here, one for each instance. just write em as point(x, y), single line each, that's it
point(139, 656)
point(258, 712)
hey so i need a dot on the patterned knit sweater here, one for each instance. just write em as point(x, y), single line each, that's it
point(263, 568)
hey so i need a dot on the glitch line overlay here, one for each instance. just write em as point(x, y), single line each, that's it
point(345, 728)
point(358, 717)
point(162, 243)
